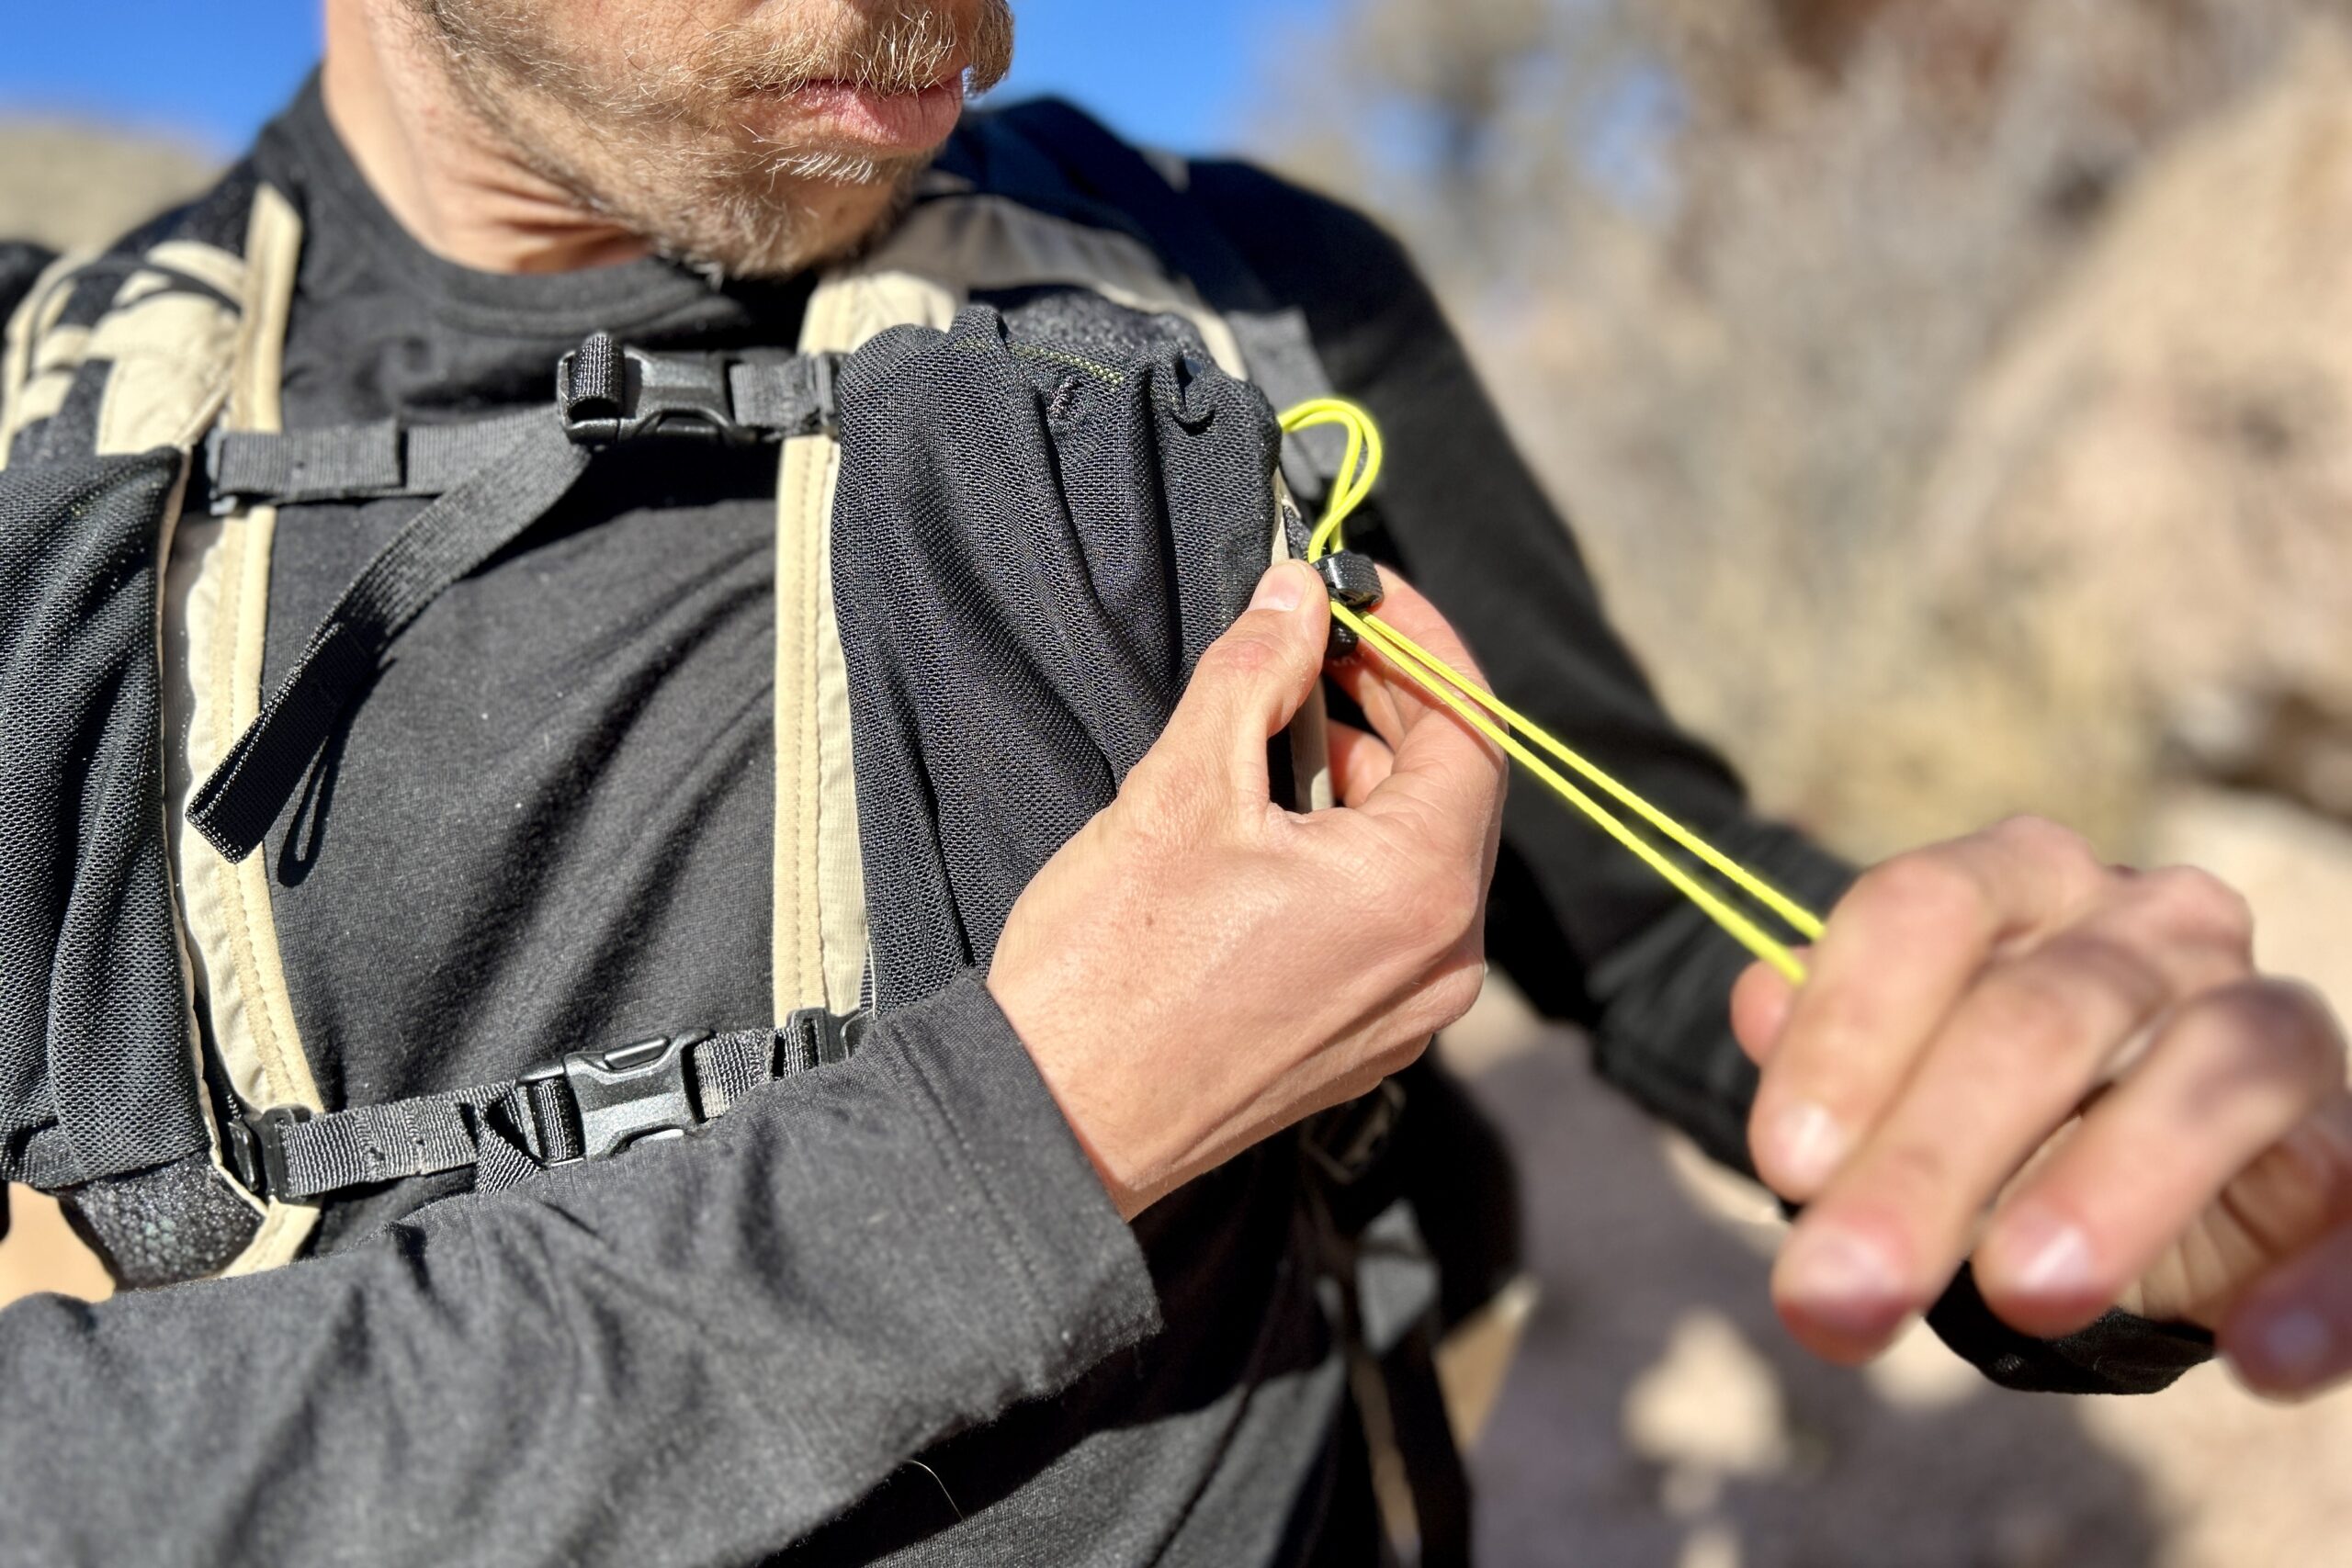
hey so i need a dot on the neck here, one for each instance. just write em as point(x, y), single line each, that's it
point(449, 178)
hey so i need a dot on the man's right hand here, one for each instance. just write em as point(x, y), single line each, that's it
point(1200, 968)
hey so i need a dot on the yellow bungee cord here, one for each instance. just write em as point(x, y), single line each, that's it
point(1480, 709)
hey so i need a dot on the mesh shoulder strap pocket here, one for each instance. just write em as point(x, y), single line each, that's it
point(1032, 546)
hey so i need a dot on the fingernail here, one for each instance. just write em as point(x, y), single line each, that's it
point(1807, 1146)
point(1837, 1276)
point(2054, 1257)
point(2295, 1346)
point(1280, 588)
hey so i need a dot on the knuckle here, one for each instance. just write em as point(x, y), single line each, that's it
point(2079, 996)
point(1386, 882)
point(1926, 886)
point(1444, 900)
point(1243, 653)
point(2290, 1026)
point(2044, 839)
point(1912, 1176)
point(2038, 1013)
point(1457, 904)
point(2196, 902)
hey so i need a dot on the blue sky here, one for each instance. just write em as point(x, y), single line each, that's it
point(213, 69)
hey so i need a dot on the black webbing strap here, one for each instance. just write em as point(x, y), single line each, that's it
point(587, 1106)
point(785, 395)
point(444, 542)
point(495, 477)
point(355, 462)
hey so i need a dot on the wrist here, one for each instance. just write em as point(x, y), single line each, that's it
point(1069, 1057)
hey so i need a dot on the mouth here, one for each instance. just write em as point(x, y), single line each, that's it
point(849, 116)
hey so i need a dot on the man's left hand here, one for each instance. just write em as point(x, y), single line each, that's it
point(2072, 1074)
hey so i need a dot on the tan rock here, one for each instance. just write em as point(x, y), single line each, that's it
point(1710, 1405)
point(2162, 460)
point(67, 185)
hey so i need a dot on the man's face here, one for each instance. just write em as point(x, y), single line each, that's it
point(751, 138)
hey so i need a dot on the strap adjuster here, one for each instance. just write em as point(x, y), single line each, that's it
point(633, 1094)
point(1348, 1140)
point(254, 1147)
point(607, 392)
point(813, 1037)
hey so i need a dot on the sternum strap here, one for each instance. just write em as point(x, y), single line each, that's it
point(586, 1106)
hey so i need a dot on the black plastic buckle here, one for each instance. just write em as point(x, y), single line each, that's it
point(255, 1148)
point(607, 392)
point(634, 1094)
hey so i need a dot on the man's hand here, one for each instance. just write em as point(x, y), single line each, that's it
point(1199, 968)
point(2072, 1074)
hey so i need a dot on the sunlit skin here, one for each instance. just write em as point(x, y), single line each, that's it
point(538, 136)
point(2071, 1072)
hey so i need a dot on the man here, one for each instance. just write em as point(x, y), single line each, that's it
point(1028, 1278)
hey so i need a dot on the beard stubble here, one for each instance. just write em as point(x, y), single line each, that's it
point(666, 146)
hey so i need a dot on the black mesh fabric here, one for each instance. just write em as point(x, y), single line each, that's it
point(20, 264)
point(95, 1069)
point(180, 1221)
point(1031, 545)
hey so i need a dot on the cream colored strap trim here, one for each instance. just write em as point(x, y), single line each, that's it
point(921, 277)
point(1310, 732)
point(1474, 1361)
point(820, 931)
point(217, 595)
point(804, 499)
point(36, 367)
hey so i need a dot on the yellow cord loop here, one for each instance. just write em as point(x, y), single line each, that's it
point(1505, 726)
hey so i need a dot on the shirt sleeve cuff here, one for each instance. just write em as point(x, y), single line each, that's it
point(2118, 1354)
point(1080, 1263)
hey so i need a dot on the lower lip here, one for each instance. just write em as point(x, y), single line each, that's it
point(881, 122)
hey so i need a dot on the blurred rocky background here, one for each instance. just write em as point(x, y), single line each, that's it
point(1953, 395)
point(1955, 399)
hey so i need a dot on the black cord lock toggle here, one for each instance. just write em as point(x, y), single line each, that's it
point(1353, 581)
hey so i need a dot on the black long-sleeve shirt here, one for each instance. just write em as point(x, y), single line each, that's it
point(550, 820)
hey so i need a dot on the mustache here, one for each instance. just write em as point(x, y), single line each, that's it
point(894, 48)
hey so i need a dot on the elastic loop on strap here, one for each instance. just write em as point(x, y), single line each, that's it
point(1503, 725)
point(447, 541)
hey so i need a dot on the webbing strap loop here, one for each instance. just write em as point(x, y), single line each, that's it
point(447, 541)
point(588, 1105)
point(353, 462)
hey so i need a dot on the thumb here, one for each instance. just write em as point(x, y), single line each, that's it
point(1253, 681)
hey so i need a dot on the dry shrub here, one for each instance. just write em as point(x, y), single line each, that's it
point(1734, 266)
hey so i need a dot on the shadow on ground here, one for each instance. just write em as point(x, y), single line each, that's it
point(1658, 1414)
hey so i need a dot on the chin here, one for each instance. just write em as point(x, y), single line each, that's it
point(789, 225)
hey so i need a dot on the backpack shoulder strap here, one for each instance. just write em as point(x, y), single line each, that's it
point(1111, 181)
point(21, 267)
point(130, 348)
